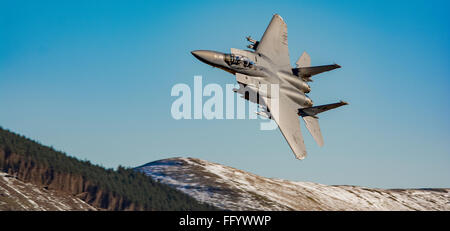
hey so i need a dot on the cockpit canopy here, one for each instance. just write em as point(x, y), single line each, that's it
point(240, 60)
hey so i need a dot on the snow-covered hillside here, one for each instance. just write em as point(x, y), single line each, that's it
point(17, 195)
point(234, 189)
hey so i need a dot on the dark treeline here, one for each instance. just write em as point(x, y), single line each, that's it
point(121, 189)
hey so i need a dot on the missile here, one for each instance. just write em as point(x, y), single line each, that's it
point(251, 40)
point(265, 114)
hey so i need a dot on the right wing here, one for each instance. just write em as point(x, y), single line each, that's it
point(274, 43)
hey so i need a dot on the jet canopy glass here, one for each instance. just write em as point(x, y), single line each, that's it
point(238, 60)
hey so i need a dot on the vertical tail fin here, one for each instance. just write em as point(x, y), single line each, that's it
point(312, 122)
point(304, 60)
point(305, 70)
point(313, 127)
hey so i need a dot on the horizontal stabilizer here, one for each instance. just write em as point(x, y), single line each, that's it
point(312, 122)
point(307, 72)
point(313, 111)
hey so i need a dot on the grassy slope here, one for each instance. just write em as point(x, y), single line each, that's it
point(121, 189)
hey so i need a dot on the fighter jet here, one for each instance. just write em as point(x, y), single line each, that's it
point(267, 64)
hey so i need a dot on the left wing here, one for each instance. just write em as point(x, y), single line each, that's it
point(287, 119)
point(283, 110)
point(274, 43)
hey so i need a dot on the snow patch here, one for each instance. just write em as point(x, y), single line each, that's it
point(233, 189)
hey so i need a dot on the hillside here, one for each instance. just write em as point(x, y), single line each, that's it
point(233, 189)
point(16, 195)
point(121, 189)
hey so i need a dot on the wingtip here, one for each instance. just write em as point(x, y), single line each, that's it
point(279, 16)
point(301, 156)
point(344, 102)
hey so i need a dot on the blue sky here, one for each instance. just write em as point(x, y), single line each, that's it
point(93, 78)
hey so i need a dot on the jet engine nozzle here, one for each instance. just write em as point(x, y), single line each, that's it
point(308, 102)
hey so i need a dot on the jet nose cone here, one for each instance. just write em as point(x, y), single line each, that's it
point(201, 54)
point(209, 57)
point(195, 53)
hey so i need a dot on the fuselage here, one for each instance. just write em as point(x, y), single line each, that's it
point(259, 66)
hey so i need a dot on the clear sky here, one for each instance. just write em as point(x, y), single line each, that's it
point(93, 78)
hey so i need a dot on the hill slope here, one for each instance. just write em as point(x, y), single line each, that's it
point(121, 189)
point(16, 195)
point(233, 189)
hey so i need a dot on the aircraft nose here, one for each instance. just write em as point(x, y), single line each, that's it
point(202, 55)
point(209, 57)
point(196, 53)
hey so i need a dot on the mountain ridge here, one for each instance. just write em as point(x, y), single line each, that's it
point(106, 189)
point(233, 189)
point(16, 195)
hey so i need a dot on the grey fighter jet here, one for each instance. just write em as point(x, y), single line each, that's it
point(267, 65)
